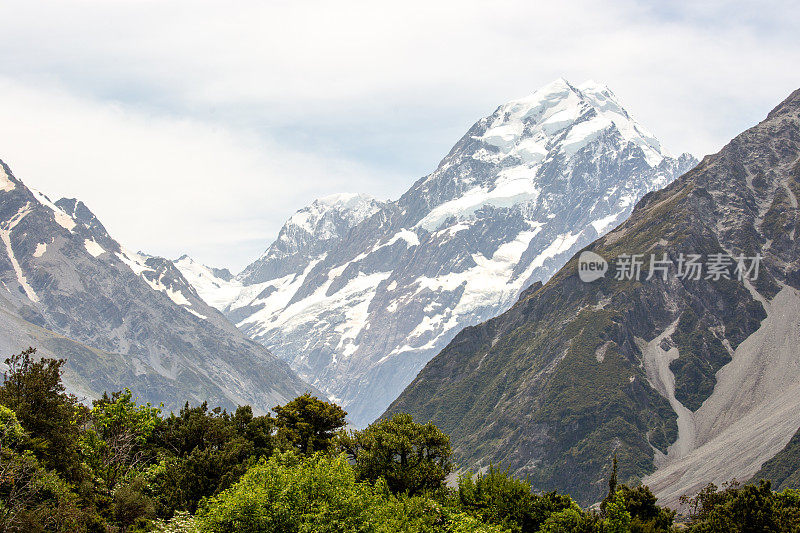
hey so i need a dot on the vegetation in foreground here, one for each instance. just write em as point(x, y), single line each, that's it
point(121, 466)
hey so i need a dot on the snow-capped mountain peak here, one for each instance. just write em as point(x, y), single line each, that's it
point(561, 117)
point(217, 286)
point(308, 233)
point(324, 216)
point(358, 295)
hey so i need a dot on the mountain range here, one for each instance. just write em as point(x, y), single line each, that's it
point(359, 294)
point(687, 378)
point(515, 297)
point(118, 317)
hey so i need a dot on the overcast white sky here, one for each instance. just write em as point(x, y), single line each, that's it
point(199, 127)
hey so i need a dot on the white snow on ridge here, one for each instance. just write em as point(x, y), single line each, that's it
point(601, 224)
point(360, 291)
point(409, 236)
point(513, 187)
point(41, 248)
point(531, 126)
point(488, 284)
point(175, 296)
point(61, 217)
point(352, 207)
point(195, 313)
point(557, 118)
point(135, 261)
point(278, 300)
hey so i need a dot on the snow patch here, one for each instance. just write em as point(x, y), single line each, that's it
point(601, 224)
point(5, 182)
point(5, 235)
point(195, 313)
point(93, 248)
point(41, 248)
point(177, 297)
point(513, 187)
point(407, 235)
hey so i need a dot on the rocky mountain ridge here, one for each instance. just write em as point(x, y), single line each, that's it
point(119, 317)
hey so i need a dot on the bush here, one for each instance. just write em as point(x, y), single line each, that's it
point(498, 498)
point(287, 493)
point(412, 458)
point(308, 424)
point(320, 493)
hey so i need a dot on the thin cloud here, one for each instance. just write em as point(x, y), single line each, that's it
point(161, 184)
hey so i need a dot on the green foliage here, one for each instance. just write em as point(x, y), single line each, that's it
point(131, 505)
point(749, 508)
point(204, 452)
point(124, 465)
point(570, 519)
point(701, 355)
point(411, 457)
point(115, 444)
point(612, 486)
point(33, 499)
point(498, 498)
point(783, 470)
point(308, 424)
point(646, 516)
point(182, 522)
point(320, 493)
point(119, 414)
point(286, 493)
point(33, 390)
point(11, 433)
point(617, 517)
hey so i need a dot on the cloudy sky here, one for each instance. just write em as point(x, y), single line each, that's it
point(199, 127)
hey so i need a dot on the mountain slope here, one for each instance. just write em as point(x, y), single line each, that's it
point(687, 380)
point(121, 318)
point(783, 470)
point(358, 307)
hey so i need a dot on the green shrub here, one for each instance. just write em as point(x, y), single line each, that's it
point(413, 458)
point(320, 493)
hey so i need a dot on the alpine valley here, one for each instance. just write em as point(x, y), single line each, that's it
point(461, 303)
point(689, 380)
point(359, 294)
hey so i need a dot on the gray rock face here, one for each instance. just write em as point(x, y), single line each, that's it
point(360, 302)
point(121, 319)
